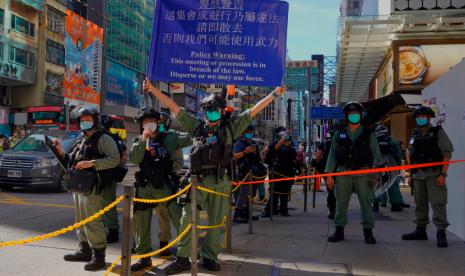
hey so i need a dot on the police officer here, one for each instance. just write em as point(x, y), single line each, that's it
point(319, 163)
point(246, 154)
point(213, 141)
point(152, 152)
point(353, 148)
point(97, 152)
point(281, 159)
point(110, 218)
point(392, 155)
point(429, 144)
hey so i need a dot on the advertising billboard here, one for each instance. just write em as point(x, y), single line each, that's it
point(123, 85)
point(297, 78)
point(420, 64)
point(384, 80)
point(36, 4)
point(83, 59)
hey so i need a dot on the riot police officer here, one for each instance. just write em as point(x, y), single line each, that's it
point(95, 152)
point(152, 152)
point(246, 154)
point(392, 155)
point(429, 144)
point(210, 160)
point(353, 148)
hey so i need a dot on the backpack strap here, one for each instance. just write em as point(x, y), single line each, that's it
point(94, 139)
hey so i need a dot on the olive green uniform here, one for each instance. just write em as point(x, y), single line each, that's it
point(216, 206)
point(426, 191)
point(142, 218)
point(395, 196)
point(346, 185)
point(110, 218)
point(89, 204)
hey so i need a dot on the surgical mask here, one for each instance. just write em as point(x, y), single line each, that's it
point(212, 116)
point(421, 122)
point(86, 125)
point(354, 118)
point(151, 126)
point(248, 136)
point(161, 128)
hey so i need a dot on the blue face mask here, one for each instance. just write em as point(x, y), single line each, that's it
point(421, 122)
point(161, 128)
point(354, 118)
point(212, 116)
point(248, 136)
point(86, 125)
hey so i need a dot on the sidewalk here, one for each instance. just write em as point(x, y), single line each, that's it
point(295, 245)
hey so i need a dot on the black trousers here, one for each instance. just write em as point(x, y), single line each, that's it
point(280, 197)
point(331, 199)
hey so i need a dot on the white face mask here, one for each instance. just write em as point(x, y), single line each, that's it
point(151, 126)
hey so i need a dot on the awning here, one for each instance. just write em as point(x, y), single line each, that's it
point(364, 42)
point(379, 108)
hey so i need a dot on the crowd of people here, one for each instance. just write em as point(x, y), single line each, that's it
point(225, 148)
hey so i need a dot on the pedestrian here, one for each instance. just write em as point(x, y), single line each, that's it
point(110, 218)
point(96, 153)
point(392, 156)
point(429, 144)
point(319, 163)
point(353, 148)
point(282, 160)
point(246, 154)
point(210, 161)
point(152, 151)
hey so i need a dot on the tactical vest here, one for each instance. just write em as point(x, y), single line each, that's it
point(425, 147)
point(156, 166)
point(355, 154)
point(211, 148)
point(384, 144)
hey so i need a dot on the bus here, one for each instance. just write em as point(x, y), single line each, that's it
point(118, 127)
point(46, 117)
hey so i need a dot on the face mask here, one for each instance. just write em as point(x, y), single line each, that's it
point(248, 136)
point(212, 116)
point(421, 122)
point(161, 128)
point(151, 126)
point(354, 118)
point(86, 125)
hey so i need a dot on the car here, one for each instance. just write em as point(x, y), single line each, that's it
point(31, 164)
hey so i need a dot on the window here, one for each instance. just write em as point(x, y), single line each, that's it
point(55, 21)
point(55, 52)
point(22, 57)
point(2, 15)
point(22, 25)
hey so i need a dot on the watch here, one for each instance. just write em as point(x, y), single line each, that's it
point(444, 174)
point(413, 65)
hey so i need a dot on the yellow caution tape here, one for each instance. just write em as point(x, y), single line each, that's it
point(211, 191)
point(212, 226)
point(66, 229)
point(235, 189)
point(151, 201)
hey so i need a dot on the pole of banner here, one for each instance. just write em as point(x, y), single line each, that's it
point(229, 226)
point(306, 190)
point(250, 208)
point(314, 192)
point(270, 201)
point(125, 247)
point(194, 268)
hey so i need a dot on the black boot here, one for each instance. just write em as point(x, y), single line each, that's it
point(141, 264)
point(211, 265)
point(441, 239)
point(165, 253)
point(84, 254)
point(368, 234)
point(418, 235)
point(376, 207)
point(98, 260)
point(112, 236)
point(181, 264)
point(338, 235)
point(332, 213)
point(397, 208)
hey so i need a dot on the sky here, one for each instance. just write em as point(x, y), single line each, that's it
point(312, 28)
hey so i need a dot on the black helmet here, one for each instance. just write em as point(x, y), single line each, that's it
point(381, 130)
point(353, 106)
point(424, 110)
point(82, 110)
point(106, 121)
point(146, 112)
point(213, 102)
point(165, 119)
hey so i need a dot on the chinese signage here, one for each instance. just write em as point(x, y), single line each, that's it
point(83, 60)
point(327, 113)
point(384, 81)
point(219, 42)
point(420, 65)
point(36, 4)
point(297, 78)
point(302, 63)
point(123, 85)
point(54, 84)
